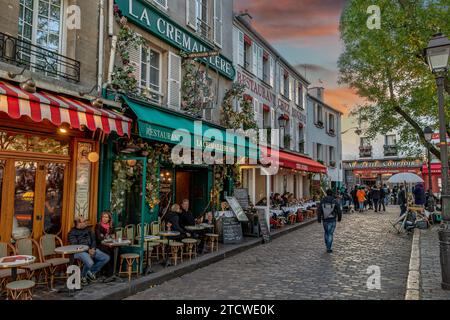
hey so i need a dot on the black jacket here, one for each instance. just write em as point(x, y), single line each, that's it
point(187, 219)
point(337, 208)
point(174, 219)
point(376, 194)
point(402, 198)
point(82, 237)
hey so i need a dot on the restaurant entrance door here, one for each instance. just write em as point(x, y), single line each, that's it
point(192, 184)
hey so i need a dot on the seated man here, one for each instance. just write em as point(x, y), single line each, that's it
point(93, 259)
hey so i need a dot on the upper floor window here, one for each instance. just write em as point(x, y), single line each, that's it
point(197, 12)
point(268, 69)
point(218, 23)
point(286, 85)
point(161, 3)
point(40, 23)
point(299, 95)
point(332, 156)
point(318, 115)
point(150, 79)
point(248, 53)
point(331, 124)
point(390, 140)
point(364, 142)
point(319, 152)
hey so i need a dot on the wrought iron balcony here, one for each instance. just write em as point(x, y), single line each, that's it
point(390, 150)
point(204, 30)
point(365, 151)
point(22, 53)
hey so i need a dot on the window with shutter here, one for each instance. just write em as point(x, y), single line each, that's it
point(218, 22)
point(241, 49)
point(281, 77)
point(191, 13)
point(150, 74)
point(161, 3)
point(260, 63)
point(272, 72)
point(291, 88)
point(136, 61)
point(174, 81)
point(255, 59)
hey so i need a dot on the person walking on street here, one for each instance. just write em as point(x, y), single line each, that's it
point(370, 198)
point(402, 200)
point(361, 196)
point(327, 214)
point(354, 198)
point(382, 199)
point(387, 194)
point(376, 195)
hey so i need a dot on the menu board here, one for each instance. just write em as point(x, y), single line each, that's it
point(264, 228)
point(231, 231)
point(237, 209)
point(83, 181)
point(242, 197)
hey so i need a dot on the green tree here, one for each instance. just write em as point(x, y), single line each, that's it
point(387, 68)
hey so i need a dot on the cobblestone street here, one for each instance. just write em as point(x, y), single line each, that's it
point(296, 266)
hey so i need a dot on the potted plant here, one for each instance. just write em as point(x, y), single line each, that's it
point(333, 164)
point(319, 124)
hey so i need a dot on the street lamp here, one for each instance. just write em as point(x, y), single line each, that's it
point(282, 123)
point(358, 131)
point(428, 132)
point(437, 54)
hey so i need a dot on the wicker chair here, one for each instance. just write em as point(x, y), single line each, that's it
point(7, 249)
point(39, 269)
point(48, 244)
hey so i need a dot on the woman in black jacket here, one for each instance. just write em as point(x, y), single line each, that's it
point(103, 231)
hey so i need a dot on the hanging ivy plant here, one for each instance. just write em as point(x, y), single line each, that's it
point(232, 119)
point(121, 185)
point(196, 92)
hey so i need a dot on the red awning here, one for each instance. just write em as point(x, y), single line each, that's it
point(266, 108)
point(294, 161)
point(59, 109)
point(436, 169)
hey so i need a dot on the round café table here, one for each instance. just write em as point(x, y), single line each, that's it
point(14, 262)
point(115, 244)
point(167, 235)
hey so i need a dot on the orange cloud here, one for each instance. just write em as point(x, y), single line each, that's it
point(342, 98)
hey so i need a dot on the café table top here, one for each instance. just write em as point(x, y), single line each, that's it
point(169, 233)
point(16, 261)
point(116, 243)
point(148, 238)
point(195, 228)
point(77, 248)
point(207, 225)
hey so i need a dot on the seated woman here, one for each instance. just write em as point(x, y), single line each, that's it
point(104, 230)
point(172, 220)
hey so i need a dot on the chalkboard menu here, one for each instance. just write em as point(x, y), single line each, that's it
point(231, 231)
point(265, 229)
point(237, 209)
point(242, 197)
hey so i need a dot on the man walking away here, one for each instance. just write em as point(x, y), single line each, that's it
point(328, 212)
point(361, 196)
point(419, 195)
point(382, 199)
point(387, 194)
point(402, 199)
point(376, 195)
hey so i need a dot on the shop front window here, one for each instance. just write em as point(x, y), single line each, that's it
point(10, 141)
point(54, 197)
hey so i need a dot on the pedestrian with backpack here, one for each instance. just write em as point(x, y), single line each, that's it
point(328, 212)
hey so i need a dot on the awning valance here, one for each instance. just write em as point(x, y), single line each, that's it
point(59, 109)
point(295, 161)
point(161, 125)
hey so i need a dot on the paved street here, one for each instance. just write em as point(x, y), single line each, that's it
point(296, 266)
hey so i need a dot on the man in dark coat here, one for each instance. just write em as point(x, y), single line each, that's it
point(376, 196)
point(402, 201)
point(328, 212)
point(419, 195)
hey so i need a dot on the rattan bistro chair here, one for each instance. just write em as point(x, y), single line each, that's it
point(7, 249)
point(49, 242)
point(37, 270)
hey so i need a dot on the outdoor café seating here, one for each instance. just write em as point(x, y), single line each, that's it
point(20, 290)
point(176, 251)
point(212, 241)
point(191, 247)
point(48, 244)
point(7, 249)
point(130, 259)
point(39, 270)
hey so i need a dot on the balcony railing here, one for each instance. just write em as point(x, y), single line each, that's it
point(204, 30)
point(365, 151)
point(22, 53)
point(390, 150)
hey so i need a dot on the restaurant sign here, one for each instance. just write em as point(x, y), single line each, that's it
point(380, 164)
point(149, 18)
point(255, 87)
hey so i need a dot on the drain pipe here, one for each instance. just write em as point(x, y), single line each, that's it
point(110, 17)
point(100, 46)
point(112, 58)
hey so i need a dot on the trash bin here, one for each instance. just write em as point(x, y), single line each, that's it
point(444, 243)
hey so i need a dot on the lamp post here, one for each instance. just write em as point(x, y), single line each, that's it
point(428, 132)
point(437, 54)
point(282, 122)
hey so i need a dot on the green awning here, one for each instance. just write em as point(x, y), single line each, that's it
point(167, 126)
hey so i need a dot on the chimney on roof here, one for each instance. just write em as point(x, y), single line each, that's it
point(317, 92)
point(245, 16)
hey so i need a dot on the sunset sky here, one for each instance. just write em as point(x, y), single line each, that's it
point(306, 33)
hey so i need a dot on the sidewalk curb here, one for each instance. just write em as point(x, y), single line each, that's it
point(413, 283)
point(124, 290)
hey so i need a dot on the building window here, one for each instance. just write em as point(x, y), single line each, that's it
point(364, 142)
point(390, 140)
point(266, 118)
point(247, 55)
point(319, 152)
point(318, 115)
point(332, 157)
point(151, 73)
point(40, 23)
point(218, 22)
point(266, 68)
point(299, 96)
point(286, 85)
point(331, 124)
point(161, 3)
point(301, 140)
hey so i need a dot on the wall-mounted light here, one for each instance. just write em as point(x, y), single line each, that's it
point(28, 86)
point(93, 157)
point(63, 128)
point(131, 162)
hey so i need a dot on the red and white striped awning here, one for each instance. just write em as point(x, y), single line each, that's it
point(59, 109)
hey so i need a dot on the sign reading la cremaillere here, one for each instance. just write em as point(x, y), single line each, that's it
point(147, 17)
